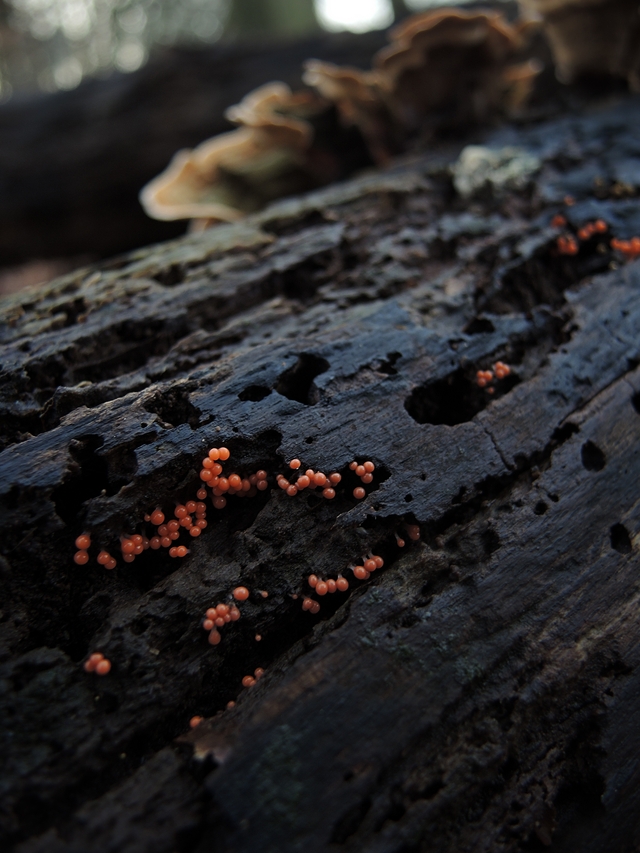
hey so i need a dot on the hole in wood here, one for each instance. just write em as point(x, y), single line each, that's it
point(620, 539)
point(541, 279)
point(593, 458)
point(254, 393)
point(296, 383)
point(87, 477)
point(173, 408)
point(479, 326)
point(455, 399)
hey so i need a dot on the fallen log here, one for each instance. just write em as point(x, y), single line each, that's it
point(478, 692)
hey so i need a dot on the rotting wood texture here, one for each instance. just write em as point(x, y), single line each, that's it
point(479, 693)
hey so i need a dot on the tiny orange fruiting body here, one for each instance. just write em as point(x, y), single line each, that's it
point(83, 542)
point(241, 593)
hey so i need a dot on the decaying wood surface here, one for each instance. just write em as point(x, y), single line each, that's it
point(479, 693)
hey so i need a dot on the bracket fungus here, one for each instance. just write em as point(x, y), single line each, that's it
point(442, 68)
point(240, 171)
point(591, 37)
point(454, 66)
point(357, 97)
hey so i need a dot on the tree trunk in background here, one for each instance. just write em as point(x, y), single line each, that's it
point(266, 18)
point(481, 691)
point(400, 9)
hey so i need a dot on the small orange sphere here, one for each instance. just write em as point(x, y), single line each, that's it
point(136, 539)
point(155, 543)
point(83, 542)
point(361, 573)
point(414, 532)
point(182, 551)
point(104, 667)
point(258, 672)
point(353, 465)
point(370, 565)
point(331, 585)
point(195, 530)
point(241, 593)
point(127, 546)
point(335, 478)
point(360, 470)
point(211, 613)
point(329, 493)
point(315, 607)
point(201, 494)
point(378, 561)
point(306, 603)
point(261, 485)
point(248, 681)
point(235, 481)
point(181, 511)
point(231, 704)
point(111, 563)
point(214, 637)
point(173, 552)
point(128, 558)
point(342, 584)
point(292, 490)
point(303, 482)
point(313, 580)
point(214, 454)
point(157, 517)
point(321, 588)
point(208, 624)
point(369, 467)
point(224, 453)
point(359, 493)
point(320, 479)
point(195, 721)
point(234, 614)
point(81, 557)
point(258, 637)
point(103, 558)
point(173, 526)
point(92, 661)
point(295, 464)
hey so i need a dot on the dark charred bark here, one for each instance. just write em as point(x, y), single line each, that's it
point(480, 692)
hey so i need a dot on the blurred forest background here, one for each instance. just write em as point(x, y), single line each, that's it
point(97, 95)
point(53, 44)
